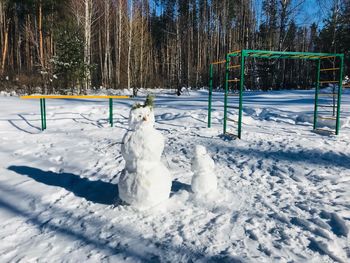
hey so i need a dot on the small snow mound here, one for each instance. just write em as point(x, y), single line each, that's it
point(321, 123)
point(268, 114)
point(204, 179)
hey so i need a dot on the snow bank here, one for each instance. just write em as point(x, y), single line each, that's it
point(322, 123)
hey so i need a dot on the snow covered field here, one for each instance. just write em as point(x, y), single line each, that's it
point(283, 190)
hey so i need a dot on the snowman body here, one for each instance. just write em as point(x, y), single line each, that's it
point(145, 181)
point(203, 167)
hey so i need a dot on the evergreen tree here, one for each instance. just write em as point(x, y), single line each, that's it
point(68, 63)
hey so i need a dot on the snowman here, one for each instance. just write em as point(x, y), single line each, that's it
point(203, 167)
point(145, 181)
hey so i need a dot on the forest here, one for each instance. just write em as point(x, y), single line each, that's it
point(72, 46)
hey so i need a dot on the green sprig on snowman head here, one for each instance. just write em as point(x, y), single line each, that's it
point(149, 102)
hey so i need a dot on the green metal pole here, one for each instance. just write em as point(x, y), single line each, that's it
point(317, 88)
point(111, 111)
point(44, 109)
point(226, 91)
point(241, 95)
point(210, 94)
point(42, 114)
point(339, 94)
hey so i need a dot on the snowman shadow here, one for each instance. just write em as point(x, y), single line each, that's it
point(177, 186)
point(95, 191)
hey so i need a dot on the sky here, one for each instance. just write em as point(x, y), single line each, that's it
point(313, 11)
point(306, 11)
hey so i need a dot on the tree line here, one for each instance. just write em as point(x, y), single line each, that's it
point(74, 45)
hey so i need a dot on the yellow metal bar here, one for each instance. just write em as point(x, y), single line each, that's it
point(309, 57)
point(233, 80)
point(327, 94)
point(235, 66)
point(219, 62)
point(73, 97)
point(234, 52)
point(327, 57)
point(330, 81)
point(327, 118)
point(329, 69)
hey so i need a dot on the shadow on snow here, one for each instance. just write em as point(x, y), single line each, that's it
point(95, 191)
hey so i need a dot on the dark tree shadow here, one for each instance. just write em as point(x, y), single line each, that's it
point(95, 191)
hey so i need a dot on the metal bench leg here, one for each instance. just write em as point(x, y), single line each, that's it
point(42, 114)
point(111, 111)
point(44, 108)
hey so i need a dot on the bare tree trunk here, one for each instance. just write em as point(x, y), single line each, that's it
point(107, 60)
point(141, 45)
point(41, 44)
point(130, 47)
point(179, 59)
point(120, 41)
point(87, 39)
point(5, 48)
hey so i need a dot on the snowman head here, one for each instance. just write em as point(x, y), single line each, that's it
point(200, 150)
point(143, 116)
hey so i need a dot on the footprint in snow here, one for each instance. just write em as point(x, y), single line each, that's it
point(337, 224)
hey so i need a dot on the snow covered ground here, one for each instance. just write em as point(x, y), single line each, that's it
point(283, 190)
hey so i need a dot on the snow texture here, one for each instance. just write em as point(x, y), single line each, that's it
point(283, 191)
point(145, 181)
point(203, 167)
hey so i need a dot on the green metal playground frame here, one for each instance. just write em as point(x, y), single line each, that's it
point(243, 54)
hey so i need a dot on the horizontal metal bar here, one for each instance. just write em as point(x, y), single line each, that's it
point(235, 66)
point(329, 81)
point(73, 97)
point(329, 69)
point(282, 57)
point(328, 106)
point(327, 118)
point(327, 94)
point(327, 57)
point(318, 55)
point(234, 80)
point(218, 62)
point(234, 52)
